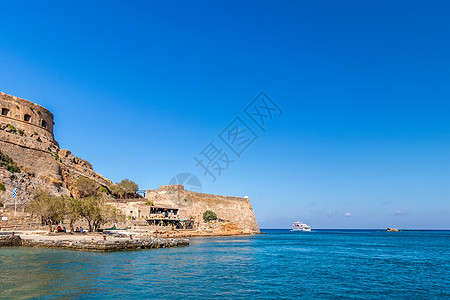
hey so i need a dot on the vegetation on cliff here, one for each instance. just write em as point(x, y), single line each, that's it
point(56, 156)
point(7, 163)
point(12, 128)
point(209, 215)
point(84, 187)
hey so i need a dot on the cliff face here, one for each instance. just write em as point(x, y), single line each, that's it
point(191, 204)
point(26, 136)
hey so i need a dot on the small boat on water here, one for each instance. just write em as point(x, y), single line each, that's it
point(299, 226)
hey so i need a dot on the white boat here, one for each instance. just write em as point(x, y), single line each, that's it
point(299, 226)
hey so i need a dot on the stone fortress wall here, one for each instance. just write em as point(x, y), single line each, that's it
point(26, 135)
point(192, 205)
point(26, 115)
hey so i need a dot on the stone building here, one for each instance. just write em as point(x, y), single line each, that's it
point(26, 115)
point(192, 205)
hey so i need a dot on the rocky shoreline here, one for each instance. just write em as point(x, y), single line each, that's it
point(92, 244)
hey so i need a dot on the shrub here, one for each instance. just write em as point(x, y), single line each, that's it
point(104, 190)
point(13, 129)
point(2, 187)
point(209, 215)
point(8, 163)
point(20, 131)
point(56, 157)
point(117, 192)
point(14, 169)
point(85, 187)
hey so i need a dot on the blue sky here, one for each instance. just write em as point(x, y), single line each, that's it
point(139, 88)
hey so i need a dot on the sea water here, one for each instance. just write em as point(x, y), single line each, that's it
point(278, 264)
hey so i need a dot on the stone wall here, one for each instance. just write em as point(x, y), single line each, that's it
point(192, 205)
point(26, 115)
point(33, 147)
point(10, 241)
point(29, 141)
point(132, 208)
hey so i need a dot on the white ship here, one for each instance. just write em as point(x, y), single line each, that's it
point(299, 226)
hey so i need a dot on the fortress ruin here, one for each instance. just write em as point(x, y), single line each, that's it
point(26, 115)
point(192, 205)
point(26, 136)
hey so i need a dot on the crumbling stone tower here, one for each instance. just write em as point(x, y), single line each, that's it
point(26, 116)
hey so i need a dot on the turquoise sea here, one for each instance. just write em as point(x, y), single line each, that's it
point(357, 264)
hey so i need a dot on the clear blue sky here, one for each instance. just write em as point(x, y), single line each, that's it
point(139, 88)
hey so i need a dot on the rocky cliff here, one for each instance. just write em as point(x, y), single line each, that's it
point(27, 142)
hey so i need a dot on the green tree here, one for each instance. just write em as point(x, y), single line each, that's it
point(73, 211)
point(51, 209)
point(117, 191)
point(89, 209)
point(108, 214)
point(96, 212)
point(209, 215)
point(124, 189)
point(85, 187)
point(130, 187)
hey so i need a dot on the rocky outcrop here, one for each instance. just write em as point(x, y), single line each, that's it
point(108, 245)
point(38, 170)
point(26, 136)
point(72, 167)
point(94, 245)
point(10, 241)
